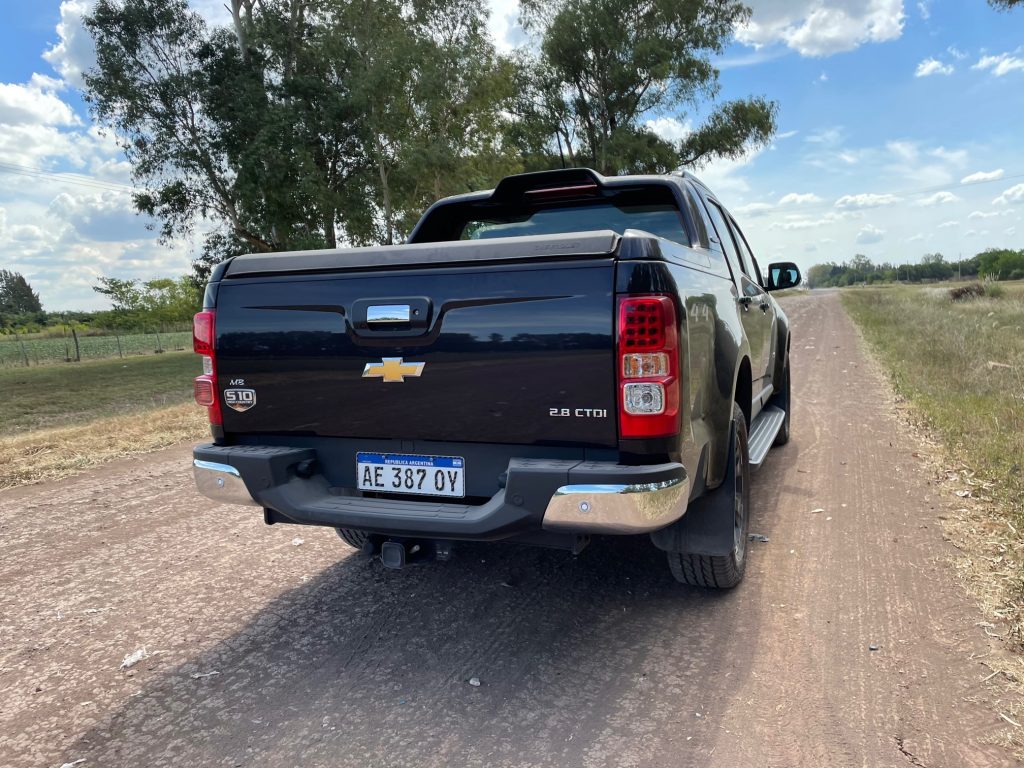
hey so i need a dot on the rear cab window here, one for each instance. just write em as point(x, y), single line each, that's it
point(649, 208)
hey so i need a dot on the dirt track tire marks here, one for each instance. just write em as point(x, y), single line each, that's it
point(325, 659)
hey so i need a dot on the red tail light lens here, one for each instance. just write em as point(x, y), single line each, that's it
point(205, 386)
point(648, 362)
point(202, 333)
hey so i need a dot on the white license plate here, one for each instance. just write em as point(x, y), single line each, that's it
point(409, 473)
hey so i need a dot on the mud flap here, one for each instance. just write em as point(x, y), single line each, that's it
point(706, 528)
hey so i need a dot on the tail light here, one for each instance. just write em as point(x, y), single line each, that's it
point(648, 373)
point(205, 386)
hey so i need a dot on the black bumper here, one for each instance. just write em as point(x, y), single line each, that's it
point(539, 494)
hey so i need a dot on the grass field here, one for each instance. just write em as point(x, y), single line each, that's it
point(961, 366)
point(45, 351)
point(74, 393)
point(56, 420)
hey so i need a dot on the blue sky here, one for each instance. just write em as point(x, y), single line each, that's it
point(899, 135)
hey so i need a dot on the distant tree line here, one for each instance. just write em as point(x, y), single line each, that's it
point(992, 264)
point(138, 306)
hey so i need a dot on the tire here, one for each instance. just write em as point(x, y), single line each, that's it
point(355, 539)
point(784, 401)
point(724, 571)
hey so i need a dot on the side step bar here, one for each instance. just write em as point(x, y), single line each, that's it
point(762, 433)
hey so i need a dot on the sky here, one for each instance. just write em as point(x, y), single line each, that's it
point(899, 135)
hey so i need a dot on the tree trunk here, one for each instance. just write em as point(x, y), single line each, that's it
point(385, 192)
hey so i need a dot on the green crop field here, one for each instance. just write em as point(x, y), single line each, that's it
point(75, 393)
point(48, 350)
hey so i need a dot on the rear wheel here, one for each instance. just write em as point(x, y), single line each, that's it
point(724, 571)
point(355, 539)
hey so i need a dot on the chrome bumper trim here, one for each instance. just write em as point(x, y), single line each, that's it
point(221, 482)
point(636, 508)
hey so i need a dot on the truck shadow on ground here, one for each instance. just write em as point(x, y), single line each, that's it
point(363, 666)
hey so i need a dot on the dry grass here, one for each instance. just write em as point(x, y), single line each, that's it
point(959, 366)
point(50, 454)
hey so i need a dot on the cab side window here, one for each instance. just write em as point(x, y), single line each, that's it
point(750, 263)
point(722, 231)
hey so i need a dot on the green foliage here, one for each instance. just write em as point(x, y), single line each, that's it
point(605, 65)
point(19, 304)
point(154, 303)
point(1004, 5)
point(309, 123)
point(861, 270)
point(1001, 264)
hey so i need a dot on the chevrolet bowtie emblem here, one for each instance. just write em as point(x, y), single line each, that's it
point(392, 369)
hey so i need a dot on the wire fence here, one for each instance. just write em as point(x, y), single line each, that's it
point(21, 351)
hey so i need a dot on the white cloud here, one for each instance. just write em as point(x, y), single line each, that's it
point(983, 176)
point(954, 156)
point(924, 9)
point(74, 53)
point(948, 225)
point(956, 53)
point(904, 150)
point(104, 217)
point(814, 28)
point(915, 238)
point(796, 198)
point(939, 198)
point(870, 234)
point(829, 137)
point(751, 210)
point(1010, 231)
point(34, 103)
point(933, 67)
point(983, 215)
point(866, 200)
point(1011, 196)
point(1000, 65)
point(670, 129)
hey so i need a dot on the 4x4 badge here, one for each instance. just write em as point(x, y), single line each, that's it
point(392, 369)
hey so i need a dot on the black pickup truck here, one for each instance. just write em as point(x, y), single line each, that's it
point(563, 356)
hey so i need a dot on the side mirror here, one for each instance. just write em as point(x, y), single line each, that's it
point(784, 274)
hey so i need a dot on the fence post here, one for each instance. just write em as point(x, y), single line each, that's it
point(78, 351)
point(159, 346)
point(23, 352)
point(117, 336)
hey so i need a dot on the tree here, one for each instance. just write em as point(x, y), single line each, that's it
point(161, 301)
point(606, 65)
point(16, 295)
point(306, 123)
point(1004, 5)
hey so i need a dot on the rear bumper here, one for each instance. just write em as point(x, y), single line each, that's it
point(553, 495)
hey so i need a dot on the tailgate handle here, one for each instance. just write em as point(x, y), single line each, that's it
point(388, 313)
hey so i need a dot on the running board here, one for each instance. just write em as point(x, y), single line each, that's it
point(762, 434)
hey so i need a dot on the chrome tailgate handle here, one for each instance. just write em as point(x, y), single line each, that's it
point(388, 313)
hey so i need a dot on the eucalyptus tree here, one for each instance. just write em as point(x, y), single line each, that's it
point(604, 67)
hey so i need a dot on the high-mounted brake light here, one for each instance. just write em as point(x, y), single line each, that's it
point(576, 190)
point(205, 386)
point(648, 371)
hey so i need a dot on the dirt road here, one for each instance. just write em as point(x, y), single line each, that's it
point(278, 646)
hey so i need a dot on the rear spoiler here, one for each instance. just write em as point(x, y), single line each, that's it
point(504, 249)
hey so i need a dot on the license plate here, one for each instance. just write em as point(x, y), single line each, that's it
point(409, 473)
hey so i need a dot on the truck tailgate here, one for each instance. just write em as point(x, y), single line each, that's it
point(519, 353)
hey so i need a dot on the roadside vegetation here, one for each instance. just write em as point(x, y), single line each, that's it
point(57, 420)
point(991, 264)
point(957, 356)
